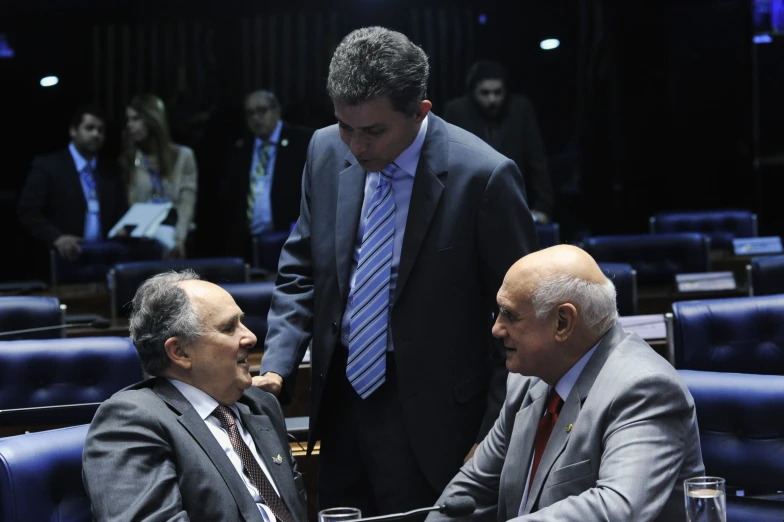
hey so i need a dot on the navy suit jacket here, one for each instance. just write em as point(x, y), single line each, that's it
point(467, 223)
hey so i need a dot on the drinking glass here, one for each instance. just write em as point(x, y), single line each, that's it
point(705, 498)
point(339, 514)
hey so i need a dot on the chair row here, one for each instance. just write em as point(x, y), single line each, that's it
point(741, 435)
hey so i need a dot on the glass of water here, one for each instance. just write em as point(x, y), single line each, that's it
point(339, 514)
point(706, 500)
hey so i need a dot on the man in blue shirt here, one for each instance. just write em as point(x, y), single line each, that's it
point(71, 196)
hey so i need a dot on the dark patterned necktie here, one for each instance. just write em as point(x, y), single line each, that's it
point(251, 466)
point(544, 429)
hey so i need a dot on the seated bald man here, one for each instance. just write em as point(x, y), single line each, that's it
point(196, 442)
point(596, 425)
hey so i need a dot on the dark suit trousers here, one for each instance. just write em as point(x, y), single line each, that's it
point(366, 460)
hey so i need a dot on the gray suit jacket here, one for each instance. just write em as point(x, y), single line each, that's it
point(625, 440)
point(467, 224)
point(150, 456)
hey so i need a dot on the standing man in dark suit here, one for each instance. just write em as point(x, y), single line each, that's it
point(406, 229)
point(508, 123)
point(71, 196)
point(196, 442)
point(262, 182)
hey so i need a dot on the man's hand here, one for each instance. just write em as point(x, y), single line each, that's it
point(470, 453)
point(68, 246)
point(540, 217)
point(270, 381)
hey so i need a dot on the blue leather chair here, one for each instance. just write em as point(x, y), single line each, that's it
point(41, 477)
point(267, 248)
point(22, 312)
point(656, 258)
point(741, 427)
point(254, 299)
point(738, 334)
point(744, 509)
point(125, 278)
point(98, 257)
point(77, 372)
point(722, 226)
point(766, 275)
point(624, 277)
point(549, 235)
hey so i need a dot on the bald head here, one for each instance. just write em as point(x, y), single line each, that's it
point(559, 260)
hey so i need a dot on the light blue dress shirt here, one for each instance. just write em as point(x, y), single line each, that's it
point(262, 208)
point(402, 185)
point(92, 218)
point(563, 388)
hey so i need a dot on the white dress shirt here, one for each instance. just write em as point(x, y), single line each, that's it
point(204, 406)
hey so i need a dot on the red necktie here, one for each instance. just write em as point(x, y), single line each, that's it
point(543, 431)
point(252, 468)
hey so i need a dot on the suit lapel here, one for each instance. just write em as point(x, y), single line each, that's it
point(269, 447)
point(521, 446)
point(571, 411)
point(198, 429)
point(351, 194)
point(425, 196)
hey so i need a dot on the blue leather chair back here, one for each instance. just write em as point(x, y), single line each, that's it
point(741, 422)
point(549, 235)
point(738, 334)
point(254, 299)
point(41, 477)
point(624, 278)
point(744, 509)
point(22, 312)
point(98, 257)
point(126, 278)
point(720, 225)
point(267, 248)
point(655, 257)
point(71, 371)
point(767, 275)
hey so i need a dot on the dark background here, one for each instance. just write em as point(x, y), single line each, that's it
point(645, 106)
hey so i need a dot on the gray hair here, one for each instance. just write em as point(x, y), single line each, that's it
point(595, 302)
point(374, 62)
point(269, 95)
point(161, 309)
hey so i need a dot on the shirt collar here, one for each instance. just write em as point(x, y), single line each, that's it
point(200, 400)
point(79, 160)
point(566, 383)
point(274, 138)
point(409, 158)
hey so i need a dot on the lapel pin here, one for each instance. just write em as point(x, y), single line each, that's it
point(277, 459)
point(569, 428)
point(284, 142)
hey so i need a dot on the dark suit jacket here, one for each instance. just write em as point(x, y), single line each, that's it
point(52, 202)
point(467, 223)
point(518, 138)
point(149, 455)
point(286, 187)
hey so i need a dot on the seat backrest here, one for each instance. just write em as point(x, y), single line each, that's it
point(738, 334)
point(744, 509)
point(549, 235)
point(254, 300)
point(267, 248)
point(741, 427)
point(22, 312)
point(720, 225)
point(624, 278)
point(767, 275)
point(125, 278)
point(655, 257)
point(41, 477)
point(38, 373)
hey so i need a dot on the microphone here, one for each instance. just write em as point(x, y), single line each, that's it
point(99, 324)
point(452, 507)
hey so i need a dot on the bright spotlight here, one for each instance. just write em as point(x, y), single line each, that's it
point(549, 44)
point(49, 81)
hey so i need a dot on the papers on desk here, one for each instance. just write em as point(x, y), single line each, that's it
point(749, 246)
point(143, 219)
point(705, 282)
point(646, 326)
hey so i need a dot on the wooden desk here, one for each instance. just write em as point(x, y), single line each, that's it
point(659, 299)
point(116, 329)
